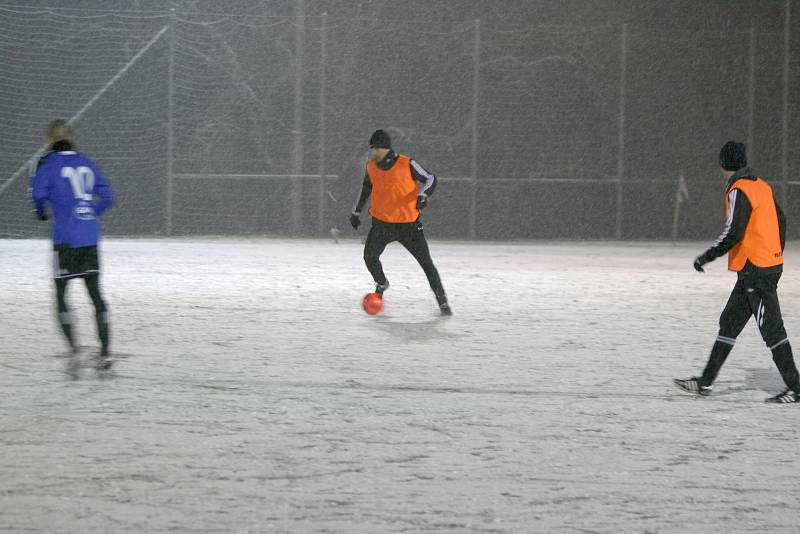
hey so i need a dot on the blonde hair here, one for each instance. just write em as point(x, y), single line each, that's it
point(60, 130)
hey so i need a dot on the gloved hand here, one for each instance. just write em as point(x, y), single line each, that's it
point(41, 216)
point(422, 201)
point(355, 220)
point(699, 261)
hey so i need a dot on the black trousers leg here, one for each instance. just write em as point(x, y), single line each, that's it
point(762, 293)
point(101, 312)
point(413, 239)
point(380, 235)
point(64, 315)
point(732, 321)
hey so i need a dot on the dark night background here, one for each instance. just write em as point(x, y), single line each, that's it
point(570, 140)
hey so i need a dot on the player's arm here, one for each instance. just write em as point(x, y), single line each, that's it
point(781, 222)
point(735, 226)
point(39, 192)
point(427, 183)
point(103, 192)
point(366, 191)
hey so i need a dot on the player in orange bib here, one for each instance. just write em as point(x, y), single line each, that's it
point(400, 188)
point(753, 239)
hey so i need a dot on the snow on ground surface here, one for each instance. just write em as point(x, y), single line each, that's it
point(252, 394)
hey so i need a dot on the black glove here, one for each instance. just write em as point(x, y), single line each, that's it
point(422, 201)
point(355, 220)
point(43, 216)
point(699, 261)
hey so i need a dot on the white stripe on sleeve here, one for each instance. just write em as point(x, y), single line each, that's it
point(732, 203)
point(429, 178)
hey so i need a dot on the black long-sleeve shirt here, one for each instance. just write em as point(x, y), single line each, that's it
point(737, 221)
point(427, 180)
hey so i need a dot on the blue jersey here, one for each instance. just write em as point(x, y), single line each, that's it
point(78, 194)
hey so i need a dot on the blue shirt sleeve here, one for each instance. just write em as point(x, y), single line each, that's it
point(40, 189)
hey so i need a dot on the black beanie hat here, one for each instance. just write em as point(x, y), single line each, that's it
point(733, 156)
point(380, 139)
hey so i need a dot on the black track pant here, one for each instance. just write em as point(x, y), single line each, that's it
point(411, 236)
point(101, 312)
point(754, 295)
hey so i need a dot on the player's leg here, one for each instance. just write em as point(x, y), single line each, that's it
point(767, 310)
point(64, 315)
point(90, 267)
point(731, 323)
point(62, 265)
point(413, 239)
point(101, 311)
point(380, 235)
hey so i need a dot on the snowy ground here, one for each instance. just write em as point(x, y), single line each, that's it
point(253, 394)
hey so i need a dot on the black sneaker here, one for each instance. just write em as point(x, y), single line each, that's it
point(380, 288)
point(444, 307)
point(787, 397)
point(692, 385)
point(104, 362)
point(74, 363)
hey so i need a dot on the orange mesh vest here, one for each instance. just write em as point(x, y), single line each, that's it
point(761, 243)
point(394, 192)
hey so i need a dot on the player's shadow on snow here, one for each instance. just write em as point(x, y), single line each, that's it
point(766, 379)
point(418, 331)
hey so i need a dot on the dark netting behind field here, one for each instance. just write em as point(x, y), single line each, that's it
point(257, 125)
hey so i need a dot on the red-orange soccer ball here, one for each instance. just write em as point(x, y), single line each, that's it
point(372, 303)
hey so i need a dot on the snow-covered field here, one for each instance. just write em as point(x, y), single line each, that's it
point(252, 394)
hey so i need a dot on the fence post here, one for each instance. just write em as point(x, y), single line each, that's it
point(623, 65)
point(751, 97)
point(473, 202)
point(322, 96)
point(785, 111)
point(170, 124)
point(681, 195)
point(297, 129)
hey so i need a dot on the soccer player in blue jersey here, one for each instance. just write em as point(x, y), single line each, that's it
point(78, 194)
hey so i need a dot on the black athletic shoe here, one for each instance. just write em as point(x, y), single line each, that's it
point(787, 397)
point(380, 288)
point(692, 385)
point(74, 363)
point(104, 362)
point(444, 307)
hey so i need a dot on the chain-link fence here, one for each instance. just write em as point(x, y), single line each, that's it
point(243, 125)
